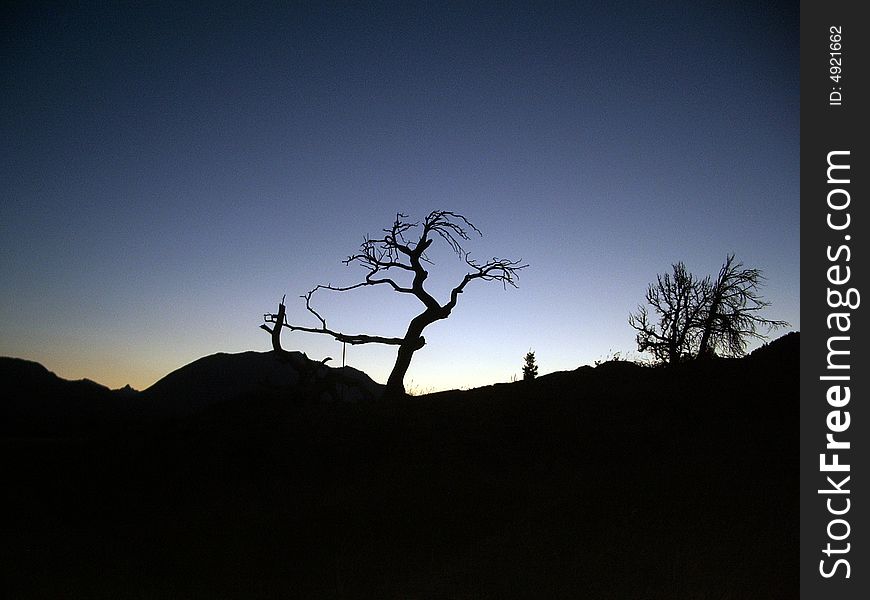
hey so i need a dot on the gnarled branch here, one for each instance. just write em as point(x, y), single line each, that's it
point(497, 269)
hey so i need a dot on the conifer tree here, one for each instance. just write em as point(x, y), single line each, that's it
point(530, 369)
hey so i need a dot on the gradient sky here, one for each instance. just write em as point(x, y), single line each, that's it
point(170, 171)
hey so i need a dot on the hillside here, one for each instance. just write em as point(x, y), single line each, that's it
point(227, 377)
point(41, 403)
point(38, 402)
point(614, 482)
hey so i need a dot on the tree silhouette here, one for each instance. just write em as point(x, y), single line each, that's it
point(402, 251)
point(731, 313)
point(699, 317)
point(275, 330)
point(678, 300)
point(530, 368)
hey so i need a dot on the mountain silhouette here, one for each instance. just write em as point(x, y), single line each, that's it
point(41, 403)
point(226, 377)
point(38, 401)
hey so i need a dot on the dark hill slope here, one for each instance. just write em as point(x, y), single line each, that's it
point(227, 377)
point(614, 482)
point(38, 402)
point(788, 345)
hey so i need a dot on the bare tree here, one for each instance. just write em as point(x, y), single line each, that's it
point(278, 319)
point(731, 315)
point(402, 250)
point(678, 301)
point(699, 317)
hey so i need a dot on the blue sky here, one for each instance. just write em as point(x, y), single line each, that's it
point(169, 172)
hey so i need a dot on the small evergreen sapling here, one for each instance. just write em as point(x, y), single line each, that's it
point(530, 369)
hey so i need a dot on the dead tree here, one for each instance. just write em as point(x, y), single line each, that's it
point(278, 319)
point(678, 300)
point(731, 316)
point(699, 317)
point(402, 251)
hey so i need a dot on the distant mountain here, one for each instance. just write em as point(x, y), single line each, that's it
point(224, 377)
point(41, 403)
point(38, 401)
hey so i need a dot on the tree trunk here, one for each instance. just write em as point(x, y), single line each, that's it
point(703, 347)
point(413, 341)
point(396, 382)
point(673, 354)
point(276, 330)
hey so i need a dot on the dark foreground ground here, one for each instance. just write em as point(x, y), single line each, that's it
point(615, 482)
